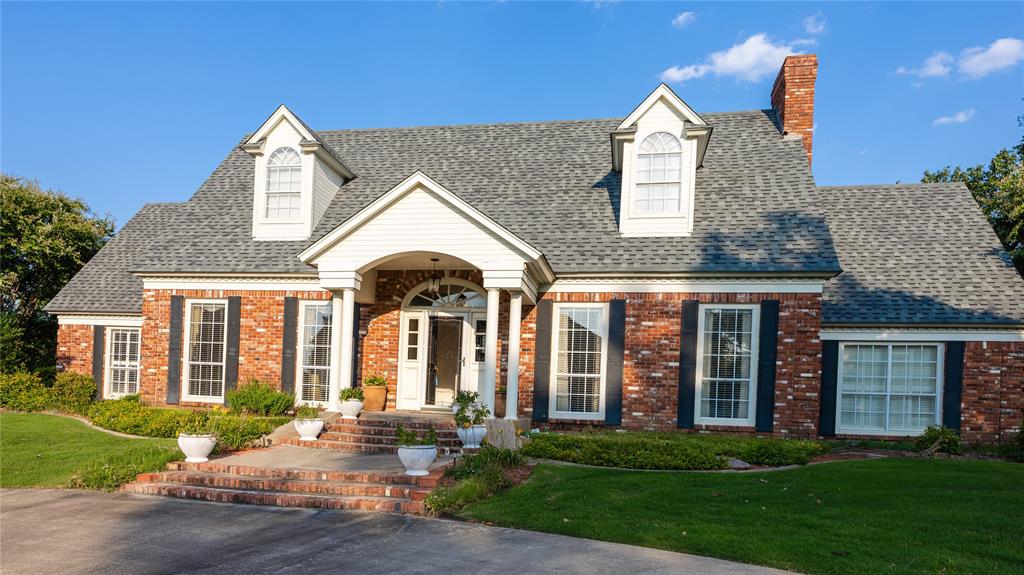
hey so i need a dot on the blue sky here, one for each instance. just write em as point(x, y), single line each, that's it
point(123, 104)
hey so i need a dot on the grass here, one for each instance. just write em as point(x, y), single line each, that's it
point(49, 451)
point(881, 516)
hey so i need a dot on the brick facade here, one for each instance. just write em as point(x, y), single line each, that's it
point(993, 397)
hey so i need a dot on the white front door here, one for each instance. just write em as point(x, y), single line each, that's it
point(440, 354)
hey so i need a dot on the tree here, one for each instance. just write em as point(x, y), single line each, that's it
point(999, 190)
point(45, 238)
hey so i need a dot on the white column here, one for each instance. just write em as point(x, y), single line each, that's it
point(333, 400)
point(515, 312)
point(348, 312)
point(490, 349)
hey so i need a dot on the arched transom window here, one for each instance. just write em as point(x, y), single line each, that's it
point(658, 175)
point(450, 294)
point(284, 176)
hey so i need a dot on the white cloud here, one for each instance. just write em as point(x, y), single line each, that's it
point(751, 60)
point(683, 19)
point(814, 24)
point(961, 117)
point(938, 64)
point(979, 62)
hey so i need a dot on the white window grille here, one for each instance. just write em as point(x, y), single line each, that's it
point(888, 388)
point(284, 179)
point(580, 348)
point(315, 353)
point(207, 349)
point(658, 175)
point(123, 361)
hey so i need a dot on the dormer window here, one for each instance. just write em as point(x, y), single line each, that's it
point(658, 175)
point(284, 180)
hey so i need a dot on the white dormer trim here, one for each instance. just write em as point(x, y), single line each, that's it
point(322, 174)
point(662, 91)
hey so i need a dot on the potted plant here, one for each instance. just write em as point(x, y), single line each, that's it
point(351, 402)
point(194, 437)
point(307, 422)
point(417, 453)
point(465, 398)
point(469, 421)
point(375, 390)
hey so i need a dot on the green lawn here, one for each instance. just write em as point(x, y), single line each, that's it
point(881, 516)
point(48, 451)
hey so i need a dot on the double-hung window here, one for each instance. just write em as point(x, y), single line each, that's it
point(889, 389)
point(206, 350)
point(122, 370)
point(284, 180)
point(315, 352)
point(579, 350)
point(658, 175)
point(727, 364)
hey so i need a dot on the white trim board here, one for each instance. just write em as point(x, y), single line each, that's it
point(920, 335)
point(228, 283)
point(676, 285)
point(106, 320)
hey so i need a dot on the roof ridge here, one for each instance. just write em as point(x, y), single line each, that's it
point(907, 185)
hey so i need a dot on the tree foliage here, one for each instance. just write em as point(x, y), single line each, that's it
point(45, 238)
point(999, 190)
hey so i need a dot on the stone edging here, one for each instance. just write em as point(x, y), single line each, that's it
point(96, 427)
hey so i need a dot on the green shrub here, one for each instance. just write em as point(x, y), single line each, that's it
point(352, 394)
point(237, 432)
point(259, 398)
point(406, 437)
point(375, 381)
point(948, 440)
point(24, 392)
point(306, 411)
point(117, 470)
point(196, 422)
point(1014, 449)
point(489, 457)
point(73, 392)
point(779, 452)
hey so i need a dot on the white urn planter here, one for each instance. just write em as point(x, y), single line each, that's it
point(417, 459)
point(197, 448)
point(471, 436)
point(350, 408)
point(309, 429)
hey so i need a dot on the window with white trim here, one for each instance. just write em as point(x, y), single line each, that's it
point(658, 175)
point(889, 389)
point(315, 352)
point(123, 360)
point(284, 179)
point(580, 347)
point(207, 349)
point(727, 364)
point(412, 343)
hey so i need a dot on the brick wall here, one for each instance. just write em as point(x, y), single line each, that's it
point(74, 348)
point(260, 333)
point(651, 358)
point(793, 97)
point(993, 392)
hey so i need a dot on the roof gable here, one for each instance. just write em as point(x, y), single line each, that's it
point(671, 99)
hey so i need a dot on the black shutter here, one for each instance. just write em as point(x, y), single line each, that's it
point(98, 351)
point(174, 349)
point(687, 363)
point(234, 330)
point(542, 361)
point(953, 384)
point(766, 354)
point(355, 345)
point(616, 352)
point(829, 377)
point(289, 343)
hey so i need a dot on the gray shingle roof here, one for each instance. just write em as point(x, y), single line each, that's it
point(917, 254)
point(104, 284)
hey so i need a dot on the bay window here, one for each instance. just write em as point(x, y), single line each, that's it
point(888, 389)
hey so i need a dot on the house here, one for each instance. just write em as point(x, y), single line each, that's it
point(664, 269)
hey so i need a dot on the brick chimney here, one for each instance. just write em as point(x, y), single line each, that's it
point(793, 97)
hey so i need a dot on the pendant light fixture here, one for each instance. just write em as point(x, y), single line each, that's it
point(435, 278)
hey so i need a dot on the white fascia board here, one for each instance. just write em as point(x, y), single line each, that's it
point(407, 185)
point(662, 91)
point(229, 282)
point(105, 320)
point(282, 111)
point(921, 335)
point(685, 285)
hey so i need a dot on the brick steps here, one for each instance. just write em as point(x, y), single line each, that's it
point(391, 492)
point(375, 433)
point(381, 439)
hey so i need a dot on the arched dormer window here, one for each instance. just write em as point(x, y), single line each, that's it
point(658, 175)
point(284, 177)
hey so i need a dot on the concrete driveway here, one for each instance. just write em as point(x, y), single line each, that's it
point(54, 531)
